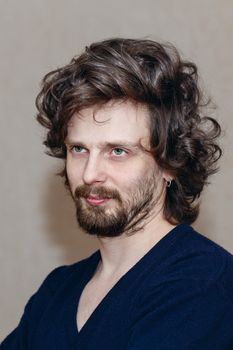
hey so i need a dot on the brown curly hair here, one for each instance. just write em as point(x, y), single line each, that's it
point(183, 139)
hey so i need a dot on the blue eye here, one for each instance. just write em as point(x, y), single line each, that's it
point(78, 149)
point(119, 151)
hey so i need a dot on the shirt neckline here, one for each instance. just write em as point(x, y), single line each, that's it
point(144, 262)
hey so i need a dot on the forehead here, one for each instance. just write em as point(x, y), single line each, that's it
point(115, 120)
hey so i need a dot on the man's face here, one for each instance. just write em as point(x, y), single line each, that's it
point(114, 180)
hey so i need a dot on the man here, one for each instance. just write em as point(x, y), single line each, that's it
point(126, 116)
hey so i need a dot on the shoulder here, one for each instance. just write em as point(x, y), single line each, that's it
point(200, 258)
point(60, 275)
point(55, 284)
point(192, 262)
point(190, 287)
point(195, 255)
point(186, 293)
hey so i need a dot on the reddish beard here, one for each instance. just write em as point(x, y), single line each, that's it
point(94, 219)
point(101, 192)
point(122, 216)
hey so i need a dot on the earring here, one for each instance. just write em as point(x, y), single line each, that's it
point(169, 182)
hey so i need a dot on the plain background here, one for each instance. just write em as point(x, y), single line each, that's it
point(38, 228)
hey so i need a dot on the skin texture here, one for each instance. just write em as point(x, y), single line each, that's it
point(108, 157)
point(114, 179)
point(95, 165)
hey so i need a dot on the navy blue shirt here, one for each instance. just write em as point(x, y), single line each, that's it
point(178, 296)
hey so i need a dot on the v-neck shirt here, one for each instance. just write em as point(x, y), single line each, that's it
point(179, 295)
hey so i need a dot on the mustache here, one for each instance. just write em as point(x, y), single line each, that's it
point(102, 192)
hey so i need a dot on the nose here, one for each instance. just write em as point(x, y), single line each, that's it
point(94, 171)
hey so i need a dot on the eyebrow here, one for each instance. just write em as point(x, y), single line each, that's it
point(120, 143)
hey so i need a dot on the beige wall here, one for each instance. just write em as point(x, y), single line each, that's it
point(38, 229)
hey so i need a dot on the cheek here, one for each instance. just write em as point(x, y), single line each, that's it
point(141, 170)
point(138, 177)
point(129, 180)
point(73, 174)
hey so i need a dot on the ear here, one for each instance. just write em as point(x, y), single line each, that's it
point(168, 180)
point(167, 177)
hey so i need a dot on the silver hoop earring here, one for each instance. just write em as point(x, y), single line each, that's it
point(169, 182)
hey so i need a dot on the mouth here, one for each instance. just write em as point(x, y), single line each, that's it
point(94, 200)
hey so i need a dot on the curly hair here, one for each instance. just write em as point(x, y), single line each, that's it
point(183, 139)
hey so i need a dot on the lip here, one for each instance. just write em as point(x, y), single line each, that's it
point(96, 201)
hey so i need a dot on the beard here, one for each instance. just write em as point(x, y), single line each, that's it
point(124, 215)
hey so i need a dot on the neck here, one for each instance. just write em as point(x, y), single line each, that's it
point(119, 254)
